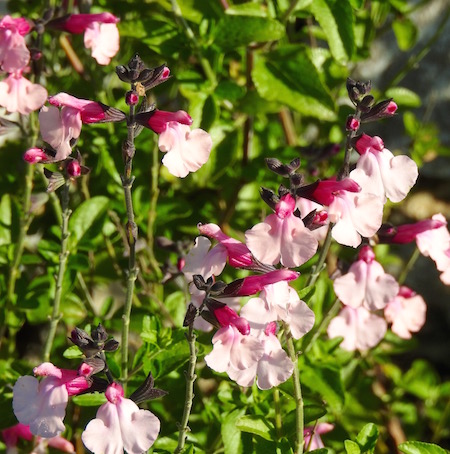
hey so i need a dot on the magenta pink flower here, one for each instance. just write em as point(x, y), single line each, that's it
point(360, 328)
point(366, 284)
point(239, 256)
point(158, 119)
point(35, 155)
point(78, 23)
point(228, 317)
point(18, 94)
point(42, 404)
point(11, 437)
point(14, 54)
point(407, 233)
point(282, 237)
point(312, 435)
point(407, 313)
point(120, 425)
point(381, 173)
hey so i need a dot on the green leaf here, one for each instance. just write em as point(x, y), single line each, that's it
point(231, 435)
point(336, 20)
point(73, 352)
point(404, 97)
point(257, 425)
point(84, 216)
point(326, 381)
point(351, 447)
point(289, 77)
point(306, 293)
point(5, 220)
point(320, 451)
point(418, 447)
point(233, 31)
point(405, 32)
point(367, 438)
point(89, 400)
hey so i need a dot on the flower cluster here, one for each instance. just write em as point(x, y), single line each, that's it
point(40, 405)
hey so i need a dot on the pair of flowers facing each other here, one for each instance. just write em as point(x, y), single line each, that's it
point(120, 424)
point(61, 122)
point(18, 94)
point(366, 290)
point(246, 346)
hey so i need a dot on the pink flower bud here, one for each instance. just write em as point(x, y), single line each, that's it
point(35, 155)
point(391, 108)
point(226, 317)
point(158, 121)
point(352, 124)
point(131, 98)
point(73, 169)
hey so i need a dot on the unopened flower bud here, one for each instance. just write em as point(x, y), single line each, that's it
point(73, 169)
point(34, 155)
point(131, 98)
point(352, 124)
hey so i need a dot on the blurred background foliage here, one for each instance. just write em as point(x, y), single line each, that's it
point(266, 79)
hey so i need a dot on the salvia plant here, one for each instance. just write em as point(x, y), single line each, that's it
point(236, 279)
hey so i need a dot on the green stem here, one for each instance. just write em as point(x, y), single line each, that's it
point(289, 11)
point(299, 416)
point(277, 405)
point(408, 267)
point(132, 236)
point(63, 256)
point(190, 379)
point(322, 257)
point(306, 347)
point(209, 73)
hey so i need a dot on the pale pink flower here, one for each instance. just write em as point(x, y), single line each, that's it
point(282, 237)
point(232, 349)
point(274, 366)
point(366, 284)
point(103, 39)
point(354, 214)
point(436, 244)
point(11, 437)
point(42, 404)
point(120, 425)
point(157, 119)
point(58, 128)
point(186, 150)
point(315, 432)
point(14, 54)
point(381, 173)
point(18, 94)
point(406, 233)
point(360, 328)
point(87, 110)
point(407, 313)
point(279, 302)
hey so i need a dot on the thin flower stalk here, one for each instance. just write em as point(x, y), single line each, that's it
point(132, 236)
point(63, 256)
point(190, 379)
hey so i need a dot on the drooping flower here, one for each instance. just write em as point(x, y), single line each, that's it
point(42, 404)
point(12, 435)
point(100, 33)
point(381, 173)
point(436, 244)
point(14, 54)
point(18, 94)
point(406, 312)
point(271, 369)
point(120, 425)
point(355, 214)
point(360, 328)
point(366, 284)
point(312, 435)
point(282, 237)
